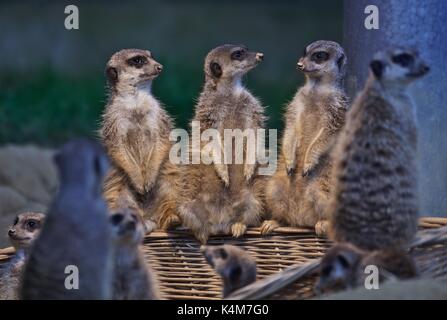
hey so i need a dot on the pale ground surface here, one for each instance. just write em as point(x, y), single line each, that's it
point(28, 179)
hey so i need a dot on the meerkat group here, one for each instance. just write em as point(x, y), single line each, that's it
point(345, 171)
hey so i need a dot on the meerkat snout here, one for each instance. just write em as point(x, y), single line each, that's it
point(259, 56)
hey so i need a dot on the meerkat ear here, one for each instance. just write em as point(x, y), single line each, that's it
point(112, 75)
point(216, 69)
point(341, 61)
point(222, 253)
point(377, 68)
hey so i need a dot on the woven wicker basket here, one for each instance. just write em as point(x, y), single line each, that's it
point(286, 260)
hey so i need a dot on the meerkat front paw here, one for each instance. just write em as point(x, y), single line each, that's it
point(137, 182)
point(268, 226)
point(249, 170)
point(169, 221)
point(321, 228)
point(150, 226)
point(222, 171)
point(238, 229)
point(202, 236)
point(307, 169)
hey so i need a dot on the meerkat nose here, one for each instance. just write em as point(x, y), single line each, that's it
point(159, 67)
point(300, 65)
point(11, 232)
point(259, 56)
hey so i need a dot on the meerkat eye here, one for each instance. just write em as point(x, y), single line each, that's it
point(320, 57)
point(222, 253)
point(137, 61)
point(343, 261)
point(117, 218)
point(326, 271)
point(403, 59)
point(238, 55)
point(31, 224)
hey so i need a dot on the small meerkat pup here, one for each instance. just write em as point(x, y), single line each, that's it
point(343, 267)
point(236, 267)
point(223, 197)
point(22, 233)
point(298, 193)
point(374, 203)
point(135, 132)
point(75, 238)
point(132, 278)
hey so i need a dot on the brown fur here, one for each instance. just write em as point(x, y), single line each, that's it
point(135, 132)
point(374, 204)
point(218, 197)
point(236, 267)
point(298, 193)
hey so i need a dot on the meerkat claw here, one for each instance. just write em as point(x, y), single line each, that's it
point(238, 229)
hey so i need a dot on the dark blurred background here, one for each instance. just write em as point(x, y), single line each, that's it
point(52, 84)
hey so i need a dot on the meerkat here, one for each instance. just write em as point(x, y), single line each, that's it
point(235, 266)
point(374, 201)
point(132, 278)
point(222, 197)
point(343, 267)
point(298, 193)
point(71, 258)
point(22, 233)
point(135, 132)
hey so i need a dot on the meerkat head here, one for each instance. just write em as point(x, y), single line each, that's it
point(236, 267)
point(398, 66)
point(230, 62)
point(130, 68)
point(323, 60)
point(82, 165)
point(127, 228)
point(25, 229)
point(338, 268)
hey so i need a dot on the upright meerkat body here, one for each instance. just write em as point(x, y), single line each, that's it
point(135, 132)
point(343, 267)
point(22, 233)
point(374, 203)
point(236, 267)
point(298, 192)
point(222, 197)
point(132, 278)
point(75, 234)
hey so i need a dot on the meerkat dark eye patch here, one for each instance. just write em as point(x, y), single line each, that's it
point(32, 225)
point(216, 70)
point(326, 271)
point(116, 218)
point(112, 74)
point(222, 253)
point(404, 59)
point(238, 55)
point(343, 261)
point(320, 56)
point(137, 61)
point(377, 68)
point(235, 273)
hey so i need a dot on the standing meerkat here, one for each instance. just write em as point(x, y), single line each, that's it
point(135, 132)
point(298, 193)
point(236, 267)
point(22, 233)
point(75, 237)
point(132, 278)
point(222, 197)
point(374, 202)
point(343, 267)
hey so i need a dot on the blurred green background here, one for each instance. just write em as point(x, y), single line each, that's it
point(52, 84)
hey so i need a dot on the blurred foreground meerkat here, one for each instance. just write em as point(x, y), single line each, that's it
point(135, 132)
point(235, 266)
point(75, 238)
point(224, 197)
point(375, 198)
point(344, 265)
point(132, 277)
point(298, 193)
point(22, 233)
